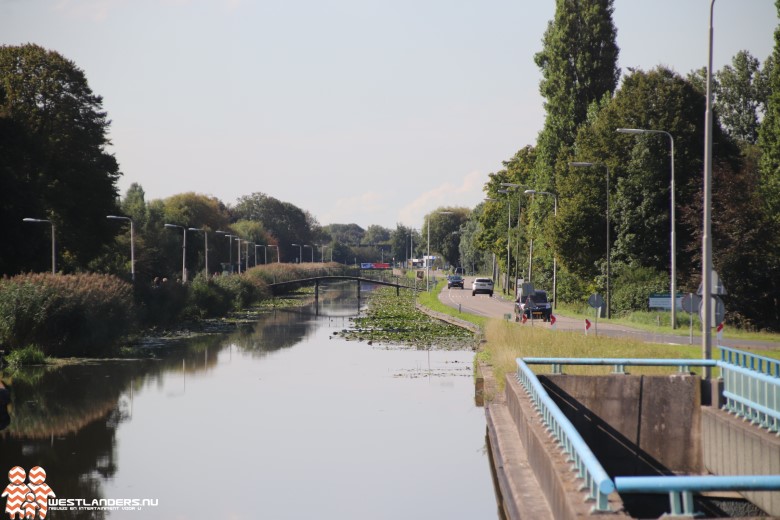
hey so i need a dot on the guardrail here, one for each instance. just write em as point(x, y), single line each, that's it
point(597, 482)
point(619, 364)
point(752, 395)
point(765, 365)
point(749, 392)
point(681, 488)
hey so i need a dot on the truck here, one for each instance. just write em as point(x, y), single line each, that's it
point(532, 303)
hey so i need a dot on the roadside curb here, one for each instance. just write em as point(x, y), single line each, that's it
point(449, 319)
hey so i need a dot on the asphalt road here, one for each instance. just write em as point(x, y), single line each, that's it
point(499, 306)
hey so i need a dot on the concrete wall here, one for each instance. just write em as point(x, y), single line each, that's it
point(560, 485)
point(635, 425)
point(731, 446)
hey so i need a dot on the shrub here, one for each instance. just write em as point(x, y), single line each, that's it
point(82, 314)
point(28, 355)
point(632, 287)
point(160, 305)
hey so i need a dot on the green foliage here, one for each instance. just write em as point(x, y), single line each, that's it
point(53, 162)
point(741, 93)
point(769, 135)
point(29, 355)
point(632, 285)
point(83, 314)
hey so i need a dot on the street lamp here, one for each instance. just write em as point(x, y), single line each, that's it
point(555, 256)
point(183, 251)
point(205, 248)
point(706, 245)
point(53, 241)
point(428, 260)
point(312, 252)
point(508, 228)
point(673, 298)
point(300, 252)
point(277, 252)
point(265, 253)
point(246, 257)
point(238, 251)
point(587, 165)
point(230, 246)
point(132, 243)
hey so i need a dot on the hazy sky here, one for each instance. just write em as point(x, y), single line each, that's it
point(364, 111)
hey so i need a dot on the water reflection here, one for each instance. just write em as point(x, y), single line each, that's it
point(286, 423)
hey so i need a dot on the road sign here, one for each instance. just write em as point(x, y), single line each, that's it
point(596, 301)
point(717, 286)
point(691, 302)
point(717, 308)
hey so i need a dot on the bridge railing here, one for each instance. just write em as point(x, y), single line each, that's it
point(596, 481)
point(752, 394)
point(763, 364)
point(682, 488)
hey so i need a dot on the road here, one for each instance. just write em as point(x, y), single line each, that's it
point(499, 306)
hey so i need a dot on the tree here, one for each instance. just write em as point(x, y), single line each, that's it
point(639, 171)
point(288, 223)
point(769, 136)
point(444, 232)
point(376, 235)
point(58, 167)
point(578, 61)
point(741, 93)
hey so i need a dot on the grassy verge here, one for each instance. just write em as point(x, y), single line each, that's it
point(660, 323)
point(506, 341)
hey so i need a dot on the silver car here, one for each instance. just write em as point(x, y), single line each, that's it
point(482, 286)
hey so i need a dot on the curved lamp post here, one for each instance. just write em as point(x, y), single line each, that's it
point(230, 246)
point(587, 165)
point(53, 241)
point(183, 251)
point(673, 297)
point(312, 252)
point(132, 242)
point(300, 252)
point(205, 248)
point(277, 252)
point(265, 253)
point(555, 256)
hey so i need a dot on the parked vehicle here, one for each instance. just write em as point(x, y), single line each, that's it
point(454, 280)
point(482, 286)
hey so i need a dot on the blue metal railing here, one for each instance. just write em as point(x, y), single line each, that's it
point(749, 392)
point(619, 364)
point(765, 365)
point(587, 466)
point(752, 395)
point(681, 489)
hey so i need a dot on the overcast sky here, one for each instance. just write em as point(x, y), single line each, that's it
point(364, 111)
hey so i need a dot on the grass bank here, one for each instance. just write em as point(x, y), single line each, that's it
point(506, 341)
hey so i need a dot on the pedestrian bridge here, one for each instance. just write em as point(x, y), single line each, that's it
point(280, 287)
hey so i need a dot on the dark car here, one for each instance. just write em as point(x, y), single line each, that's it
point(536, 306)
point(454, 280)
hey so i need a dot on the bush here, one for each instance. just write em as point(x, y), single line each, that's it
point(633, 286)
point(28, 355)
point(82, 314)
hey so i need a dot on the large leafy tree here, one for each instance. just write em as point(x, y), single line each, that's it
point(741, 92)
point(578, 61)
point(54, 163)
point(445, 225)
point(288, 223)
point(639, 169)
point(769, 136)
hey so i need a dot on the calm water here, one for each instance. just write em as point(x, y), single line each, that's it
point(278, 420)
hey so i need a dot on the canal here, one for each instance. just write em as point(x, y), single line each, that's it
point(279, 419)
